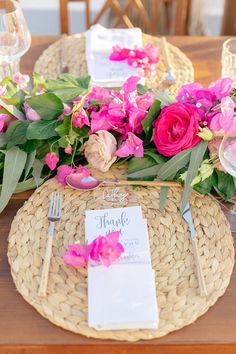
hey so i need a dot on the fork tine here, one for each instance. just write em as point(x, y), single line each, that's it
point(51, 204)
point(60, 204)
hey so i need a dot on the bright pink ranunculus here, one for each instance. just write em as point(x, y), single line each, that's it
point(51, 160)
point(80, 118)
point(222, 87)
point(77, 256)
point(106, 249)
point(21, 80)
point(63, 172)
point(176, 129)
point(4, 120)
point(30, 113)
point(224, 121)
point(131, 146)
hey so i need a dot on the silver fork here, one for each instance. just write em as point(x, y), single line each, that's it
point(54, 214)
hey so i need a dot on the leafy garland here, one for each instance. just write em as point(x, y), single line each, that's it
point(24, 143)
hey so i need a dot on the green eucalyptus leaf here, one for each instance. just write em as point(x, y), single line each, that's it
point(14, 164)
point(66, 89)
point(18, 136)
point(12, 110)
point(204, 187)
point(47, 105)
point(64, 128)
point(137, 168)
point(173, 165)
point(223, 184)
point(29, 163)
point(163, 196)
point(152, 115)
point(37, 171)
point(3, 139)
point(30, 145)
point(84, 81)
point(164, 97)
point(25, 185)
point(196, 157)
point(42, 130)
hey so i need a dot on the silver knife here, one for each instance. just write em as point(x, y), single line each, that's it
point(187, 216)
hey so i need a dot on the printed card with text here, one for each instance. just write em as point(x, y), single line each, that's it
point(133, 228)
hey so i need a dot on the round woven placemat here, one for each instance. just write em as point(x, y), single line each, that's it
point(172, 258)
point(49, 63)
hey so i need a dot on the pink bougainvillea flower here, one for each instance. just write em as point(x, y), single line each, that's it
point(3, 90)
point(142, 59)
point(21, 80)
point(106, 119)
point(30, 113)
point(83, 171)
point(130, 85)
point(224, 121)
point(67, 111)
point(106, 249)
point(145, 101)
point(131, 146)
point(4, 120)
point(222, 87)
point(99, 94)
point(64, 171)
point(77, 255)
point(136, 117)
point(80, 118)
point(152, 52)
point(51, 160)
point(176, 129)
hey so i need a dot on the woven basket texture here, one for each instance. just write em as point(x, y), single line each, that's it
point(171, 250)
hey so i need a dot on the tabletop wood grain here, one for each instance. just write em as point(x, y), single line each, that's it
point(24, 331)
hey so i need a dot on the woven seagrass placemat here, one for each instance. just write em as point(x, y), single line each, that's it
point(49, 63)
point(172, 257)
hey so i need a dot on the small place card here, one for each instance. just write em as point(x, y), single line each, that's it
point(133, 228)
point(99, 43)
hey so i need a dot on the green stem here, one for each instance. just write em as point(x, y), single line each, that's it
point(74, 151)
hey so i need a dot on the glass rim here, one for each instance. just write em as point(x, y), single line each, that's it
point(226, 49)
point(15, 3)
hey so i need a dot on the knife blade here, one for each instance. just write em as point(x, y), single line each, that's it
point(187, 216)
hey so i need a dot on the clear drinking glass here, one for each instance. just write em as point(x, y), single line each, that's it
point(15, 37)
point(227, 155)
point(228, 58)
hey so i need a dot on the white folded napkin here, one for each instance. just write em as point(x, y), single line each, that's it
point(99, 43)
point(122, 297)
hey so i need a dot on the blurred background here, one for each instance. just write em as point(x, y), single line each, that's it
point(194, 17)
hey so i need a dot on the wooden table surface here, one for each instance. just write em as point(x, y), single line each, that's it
point(24, 331)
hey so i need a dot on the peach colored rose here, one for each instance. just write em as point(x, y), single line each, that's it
point(100, 149)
